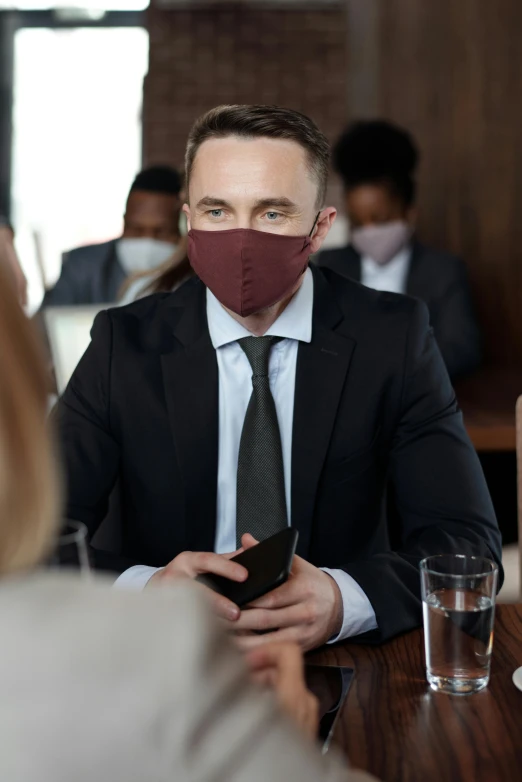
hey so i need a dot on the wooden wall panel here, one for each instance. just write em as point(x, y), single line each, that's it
point(237, 53)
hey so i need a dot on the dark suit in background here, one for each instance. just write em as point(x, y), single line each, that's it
point(441, 281)
point(373, 402)
point(90, 275)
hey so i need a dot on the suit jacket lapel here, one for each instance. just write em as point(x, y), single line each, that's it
point(322, 367)
point(190, 376)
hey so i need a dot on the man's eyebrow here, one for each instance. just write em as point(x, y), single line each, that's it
point(281, 203)
point(264, 203)
point(214, 203)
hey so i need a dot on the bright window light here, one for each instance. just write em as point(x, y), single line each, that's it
point(77, 138)
point(83, 5)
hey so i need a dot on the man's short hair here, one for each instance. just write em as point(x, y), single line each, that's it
point(251, 121)
point(158, 179)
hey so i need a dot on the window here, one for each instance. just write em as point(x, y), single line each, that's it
point(74, 5)
point(76, 138)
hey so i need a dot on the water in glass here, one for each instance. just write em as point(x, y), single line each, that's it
point(458, 626)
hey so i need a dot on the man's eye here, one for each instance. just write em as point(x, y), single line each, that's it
point(272, 215)
point(216, 212)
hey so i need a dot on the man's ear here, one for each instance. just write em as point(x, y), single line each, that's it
point(324, 223)
point(186, 211)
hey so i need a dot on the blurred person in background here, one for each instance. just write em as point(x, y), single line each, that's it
point(165, 279)
point(10, 260)
point(95, 274)
point(104, 685)
point(377, 162)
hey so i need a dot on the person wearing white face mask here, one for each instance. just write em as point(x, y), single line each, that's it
point(163, 279)
point(97, 273)
point(377, 162)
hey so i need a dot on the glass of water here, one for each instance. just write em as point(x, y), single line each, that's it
point(458, 601)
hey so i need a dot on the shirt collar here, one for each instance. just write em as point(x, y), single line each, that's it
point(295, 322)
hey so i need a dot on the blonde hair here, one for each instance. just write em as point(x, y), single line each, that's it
point(29, 508)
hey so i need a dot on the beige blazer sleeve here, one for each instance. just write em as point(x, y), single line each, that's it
point(99, 685)
point(237, 732)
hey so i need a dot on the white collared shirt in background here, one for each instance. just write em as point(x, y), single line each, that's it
point(391, 276)
point(235, 389)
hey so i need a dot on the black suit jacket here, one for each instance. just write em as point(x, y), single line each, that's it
point(441, 281)
point(373, 402)
point(90, 275)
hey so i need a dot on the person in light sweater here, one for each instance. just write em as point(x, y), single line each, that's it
point(377, 162)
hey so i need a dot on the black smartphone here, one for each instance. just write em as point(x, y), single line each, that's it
point(268, 564)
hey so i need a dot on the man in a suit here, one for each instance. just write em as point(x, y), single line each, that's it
point(96, 273)
point(377, 161)
point(265, 393)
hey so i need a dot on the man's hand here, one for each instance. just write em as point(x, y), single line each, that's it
point(190, 564)
point(280, 666)
point(307, 610)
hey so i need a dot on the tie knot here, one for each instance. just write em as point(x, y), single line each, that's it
point(257, 350)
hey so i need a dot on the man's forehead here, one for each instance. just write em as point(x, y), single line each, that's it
point(267, 165)
point(232, 149)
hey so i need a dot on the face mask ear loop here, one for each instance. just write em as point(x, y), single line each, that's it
point(315, 223)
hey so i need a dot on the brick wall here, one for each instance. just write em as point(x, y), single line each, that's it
point(239, 54)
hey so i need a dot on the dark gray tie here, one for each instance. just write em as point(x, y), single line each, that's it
point(261, 503)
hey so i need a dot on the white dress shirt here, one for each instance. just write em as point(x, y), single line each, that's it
point(235, 389)
point(391, 276)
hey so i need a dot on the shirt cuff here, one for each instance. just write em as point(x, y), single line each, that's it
point(136, 577)
point(358, 614)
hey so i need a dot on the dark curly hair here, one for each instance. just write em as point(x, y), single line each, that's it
point(377, 152)
point(158, 179)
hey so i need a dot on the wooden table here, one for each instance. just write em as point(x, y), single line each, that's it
point(395, 727)
point(488, 401)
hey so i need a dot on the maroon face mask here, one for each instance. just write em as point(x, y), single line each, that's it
point(248, 270)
